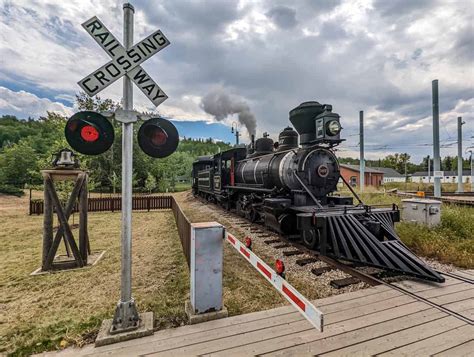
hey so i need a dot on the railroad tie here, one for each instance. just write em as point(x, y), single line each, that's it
point(320, 271)
point(341, 283)
point(292, 252)
point(284, 245)
point(305, 261)
point(271, 241)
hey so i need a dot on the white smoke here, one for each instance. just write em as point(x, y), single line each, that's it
point(221, 104)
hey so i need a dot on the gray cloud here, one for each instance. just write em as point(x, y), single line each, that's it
point(378, 58)
point(284, 17)
point(221, 104)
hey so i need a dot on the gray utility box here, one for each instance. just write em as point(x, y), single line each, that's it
point(427, 212)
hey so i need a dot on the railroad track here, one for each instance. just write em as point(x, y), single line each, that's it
point(280, 242)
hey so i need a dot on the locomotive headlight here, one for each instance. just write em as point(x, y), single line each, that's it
point(333, 127)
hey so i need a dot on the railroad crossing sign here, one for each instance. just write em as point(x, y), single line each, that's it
point(124, 62)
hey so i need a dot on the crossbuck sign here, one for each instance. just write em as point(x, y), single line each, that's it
point(124, 62)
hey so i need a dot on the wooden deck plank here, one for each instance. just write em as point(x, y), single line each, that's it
point(453, 297)
point(336, 343)
point(244, 339)
point(465, 273)
point(272, 327)
point(397, 338)
point(418, 285)
point(247, 319)
point(283, 327)
point(267, 343)
point(461, 305)
point(469, 271)
point(463, 349)
point(290, 339)
point(434, 344)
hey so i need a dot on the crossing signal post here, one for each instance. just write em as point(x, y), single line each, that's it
point(91, 133)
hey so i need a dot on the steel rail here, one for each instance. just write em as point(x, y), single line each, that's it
point(373, 281)
point(459, 277)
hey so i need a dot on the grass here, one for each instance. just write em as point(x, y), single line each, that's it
point(53, 311)
point(56, 310)
point(451, 242)
point(48, 312)
point(428, 187)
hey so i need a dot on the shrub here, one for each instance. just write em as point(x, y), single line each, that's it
point(11, 190)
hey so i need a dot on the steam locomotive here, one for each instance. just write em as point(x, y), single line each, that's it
point(291, 188)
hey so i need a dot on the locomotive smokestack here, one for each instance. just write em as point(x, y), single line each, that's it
point(221, 104)
point(303, 119)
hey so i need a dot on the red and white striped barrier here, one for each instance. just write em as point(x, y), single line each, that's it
point(303, 305)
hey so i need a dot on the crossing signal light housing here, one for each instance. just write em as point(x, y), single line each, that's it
point(158, 137)
point(89, 133)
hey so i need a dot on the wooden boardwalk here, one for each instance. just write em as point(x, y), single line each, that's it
point(375, 321)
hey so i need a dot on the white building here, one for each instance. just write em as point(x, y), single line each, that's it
point(449, 177)
point(390, 175)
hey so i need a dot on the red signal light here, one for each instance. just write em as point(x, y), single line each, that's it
point(280, 267)
point(248, 243)
point(157, 136)
point(89, 133)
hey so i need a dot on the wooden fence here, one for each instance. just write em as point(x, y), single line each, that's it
point(184, 229)
point(112, 204)
point(139, 203)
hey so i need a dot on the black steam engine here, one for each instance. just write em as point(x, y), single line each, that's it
point(292, 189)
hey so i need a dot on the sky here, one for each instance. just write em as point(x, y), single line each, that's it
point(379, 56)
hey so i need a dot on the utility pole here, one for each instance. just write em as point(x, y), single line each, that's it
point(429, 169)
point(361, 143)
point(436, 161)
point(460, 185)
point(126, 314)
point(471, 150)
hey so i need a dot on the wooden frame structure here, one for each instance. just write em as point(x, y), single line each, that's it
point(53, 204)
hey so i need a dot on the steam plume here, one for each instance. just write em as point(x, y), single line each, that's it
point(220, 104)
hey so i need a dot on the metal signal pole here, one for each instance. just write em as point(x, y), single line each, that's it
point(460, 185)
point(126, 315)
point(436, 158)
point(361, 143)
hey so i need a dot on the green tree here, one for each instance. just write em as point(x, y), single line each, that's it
point(150, 183)
point(18, 165)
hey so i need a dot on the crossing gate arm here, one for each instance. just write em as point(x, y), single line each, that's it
point(303, 305)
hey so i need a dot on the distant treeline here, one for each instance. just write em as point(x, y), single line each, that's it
point(397, 162)
point(27, 146)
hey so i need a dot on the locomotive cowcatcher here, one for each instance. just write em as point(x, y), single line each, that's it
point(291, 188)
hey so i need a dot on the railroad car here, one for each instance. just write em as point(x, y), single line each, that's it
point(291, 186)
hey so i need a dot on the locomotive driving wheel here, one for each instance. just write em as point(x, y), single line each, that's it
point(311, 238)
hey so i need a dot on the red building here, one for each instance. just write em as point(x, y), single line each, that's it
point(351, 174)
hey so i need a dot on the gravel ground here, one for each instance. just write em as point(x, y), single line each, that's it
point(300, 277)
point(311, 286)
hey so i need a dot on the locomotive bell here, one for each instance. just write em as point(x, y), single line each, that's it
point(65, 159)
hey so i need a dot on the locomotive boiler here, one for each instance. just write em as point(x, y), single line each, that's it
point(290, 186)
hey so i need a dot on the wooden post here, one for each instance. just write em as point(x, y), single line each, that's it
point(47, 227)
point(51, 202)
point(83, 238)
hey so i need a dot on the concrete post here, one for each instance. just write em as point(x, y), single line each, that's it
point(436, 156)
point(206, 273)
point(362, 159)
point(460, 185)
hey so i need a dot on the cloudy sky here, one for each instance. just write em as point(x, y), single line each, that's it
point(379, 56)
